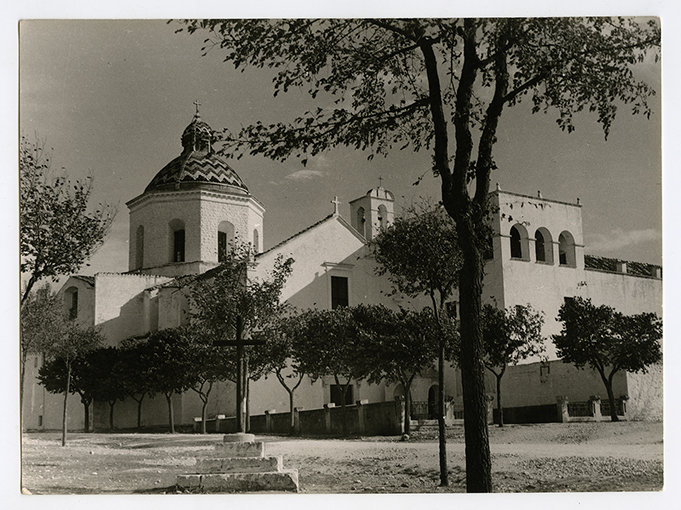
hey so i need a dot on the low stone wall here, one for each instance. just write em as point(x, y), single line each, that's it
point(387, 418)
point(528, 414)
point(377, 419)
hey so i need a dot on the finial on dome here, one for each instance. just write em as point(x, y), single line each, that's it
point(197, 104)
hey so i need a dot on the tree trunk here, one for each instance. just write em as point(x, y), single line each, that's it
point(444, 475)
point(501, 409)
point(111, 414)
point(478, 457)
point(611, 398)
point(407, 405)
point(24, 355)
point(66, 395)
point(171, 417)
point(139, 413)
point(86, 419)
point(247, 410)
point(344, 389)
point(290, 391)
point(203, 414)
point(292, 423)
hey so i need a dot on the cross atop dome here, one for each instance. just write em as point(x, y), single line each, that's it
point(197, 104)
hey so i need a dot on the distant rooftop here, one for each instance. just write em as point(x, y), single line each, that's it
point(610, 265)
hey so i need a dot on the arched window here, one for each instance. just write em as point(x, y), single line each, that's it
point(519, 242)
point(566, 249)
point(543, 246)
point(256, 241)
point(382, 216)
point(139, 248)
point(361, 221)
point(225, 239)
point(516, 247)
point(71, 302)
point(177, 240)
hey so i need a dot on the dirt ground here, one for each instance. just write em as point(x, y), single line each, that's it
point(582, 457)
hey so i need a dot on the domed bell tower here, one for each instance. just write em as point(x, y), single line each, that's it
point(192, 210)
point(372, 212)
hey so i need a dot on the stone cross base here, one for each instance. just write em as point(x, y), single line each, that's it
point(240, 465)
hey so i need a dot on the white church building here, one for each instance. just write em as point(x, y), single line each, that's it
point(197, 204)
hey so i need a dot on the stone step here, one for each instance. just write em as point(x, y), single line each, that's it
point(239, 465)
point(286, 480)
point(254, 449)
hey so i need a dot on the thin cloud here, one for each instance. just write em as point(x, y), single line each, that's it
point(304, 175)
point(619, 239)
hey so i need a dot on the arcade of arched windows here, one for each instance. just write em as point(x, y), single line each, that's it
point(519, 241)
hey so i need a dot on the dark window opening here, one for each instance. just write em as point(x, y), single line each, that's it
point(178, 246)
point(516, 248)
point(433, 405)
point(566, 250)
point(73, 310)
point(339, 292)
point(40, 420)
point(540, 247)
point(337, 395)
point(222, 246)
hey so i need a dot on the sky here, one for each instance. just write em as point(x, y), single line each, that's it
point(111, 98)
point(114, 98)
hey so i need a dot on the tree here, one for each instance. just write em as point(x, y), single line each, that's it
point(227, 305)
point(68, 344)
point(169, 371)
point(278, 355)
point(42, 317)
point(208, 364)
point(136, 372)
point(58, 232)
point(607, 341)
point(510, 336)
point(401, 346)
point(330, 345)
point(404, 84)
point(106, 364)
point(421, 256)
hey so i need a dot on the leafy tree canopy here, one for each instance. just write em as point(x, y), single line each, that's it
point(420, 253)
point(330, 344)
point(42, 317)
point(58, 231)
point(601, 337)
point(608, 341)
point(222, 295)
point(511, 335)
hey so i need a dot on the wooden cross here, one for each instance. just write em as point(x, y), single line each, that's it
point(197, 104)
point(239, 343)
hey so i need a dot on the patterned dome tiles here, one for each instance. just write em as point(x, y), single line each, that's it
point(196, 167)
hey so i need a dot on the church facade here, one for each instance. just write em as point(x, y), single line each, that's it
point(197, 204)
